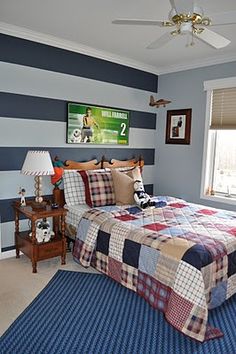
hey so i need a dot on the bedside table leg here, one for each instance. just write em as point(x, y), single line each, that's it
point(63, 256)
point(34, 245)
point(17, 233)
point(34, 267)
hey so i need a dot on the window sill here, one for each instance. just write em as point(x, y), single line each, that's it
point(219, 199)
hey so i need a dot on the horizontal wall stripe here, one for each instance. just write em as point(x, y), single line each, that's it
point(7, 212)
point(23, 106)
point(30, 107)
point(29, 53)
point(8, 233)
point(11, 181)
point(149, 188)
point(16, 132)
point(12, 158)
point(5, 249)
point(30, 81)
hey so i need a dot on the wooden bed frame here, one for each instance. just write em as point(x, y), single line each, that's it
point(58, 194)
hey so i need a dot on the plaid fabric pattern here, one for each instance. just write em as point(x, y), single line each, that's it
point(86, 255)
point(102, 262)
point(197, 321)
point(74, 214)
point(99, 188)
point(178, 311)
point(156, 293)
point(118, 235)
point(188, 284)
point(114, 269)
point(73, 188)
point(129, 276)
point(183, 263)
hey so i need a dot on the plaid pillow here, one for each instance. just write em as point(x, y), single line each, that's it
point(73, 188)
point(99, 188)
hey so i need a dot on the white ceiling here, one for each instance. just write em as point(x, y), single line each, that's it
point(85, 25)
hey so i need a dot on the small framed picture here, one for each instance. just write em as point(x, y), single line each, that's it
point(178, 126)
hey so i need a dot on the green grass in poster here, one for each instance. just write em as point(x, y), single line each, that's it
point(97, 125)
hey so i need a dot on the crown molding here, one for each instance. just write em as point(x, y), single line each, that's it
point(197, 64)
point(25, 33)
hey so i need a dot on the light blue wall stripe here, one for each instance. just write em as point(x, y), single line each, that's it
point(21, 51)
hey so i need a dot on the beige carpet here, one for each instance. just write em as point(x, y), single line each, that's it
point(19, 286)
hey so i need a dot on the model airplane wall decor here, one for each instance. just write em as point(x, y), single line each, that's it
point(158, 103)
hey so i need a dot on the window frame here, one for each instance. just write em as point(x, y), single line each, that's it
point(209, 142)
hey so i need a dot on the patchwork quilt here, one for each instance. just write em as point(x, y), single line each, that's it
point(180, 257)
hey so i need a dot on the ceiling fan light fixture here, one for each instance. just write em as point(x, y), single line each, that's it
point(175, 33)
point(206, 21)
point(167, 24)
point(198, 30)
point(196, 18)
point(186, 27)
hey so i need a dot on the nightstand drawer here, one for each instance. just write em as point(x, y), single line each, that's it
point(49, 249)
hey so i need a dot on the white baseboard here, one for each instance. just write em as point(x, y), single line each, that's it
point(8, 254)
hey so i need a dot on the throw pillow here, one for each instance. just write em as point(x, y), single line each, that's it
point(124, 185)
point(99, 190)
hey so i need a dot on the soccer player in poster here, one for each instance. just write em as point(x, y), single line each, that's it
point(88, 123)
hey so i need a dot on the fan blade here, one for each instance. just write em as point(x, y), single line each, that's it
point(161, 41)
point(138, 22)
point(224, 18)
point(214, 39)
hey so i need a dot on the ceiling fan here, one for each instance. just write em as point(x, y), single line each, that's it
point(187, 18)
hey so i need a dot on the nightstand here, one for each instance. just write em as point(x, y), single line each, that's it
point(29, 245)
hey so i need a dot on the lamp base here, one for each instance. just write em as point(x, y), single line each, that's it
point(38, 205)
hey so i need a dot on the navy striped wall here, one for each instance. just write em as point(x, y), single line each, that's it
point(37, 82)
point(24, 52)
point(23, 106)
point(12, 158)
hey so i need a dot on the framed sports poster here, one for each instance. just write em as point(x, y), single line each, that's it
point(97, 125)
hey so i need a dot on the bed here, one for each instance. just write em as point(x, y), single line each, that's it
point(179, 256)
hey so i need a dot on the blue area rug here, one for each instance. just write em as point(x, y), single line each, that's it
point(90, 313)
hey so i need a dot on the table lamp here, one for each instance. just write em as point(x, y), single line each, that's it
point(38, 164)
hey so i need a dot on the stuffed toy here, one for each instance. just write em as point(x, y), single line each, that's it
point(43, 231)
point(140, 196)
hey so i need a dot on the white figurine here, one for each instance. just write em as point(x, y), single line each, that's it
point(140, 196)
point(22, 198)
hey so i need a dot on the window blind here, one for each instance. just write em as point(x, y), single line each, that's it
point(224, 109)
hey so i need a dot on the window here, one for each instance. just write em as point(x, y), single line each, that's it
point(219, 162)
point(224, 167)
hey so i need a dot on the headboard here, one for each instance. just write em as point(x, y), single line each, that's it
point(58, 194)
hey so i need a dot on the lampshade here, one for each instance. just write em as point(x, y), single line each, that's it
point(37, 163)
